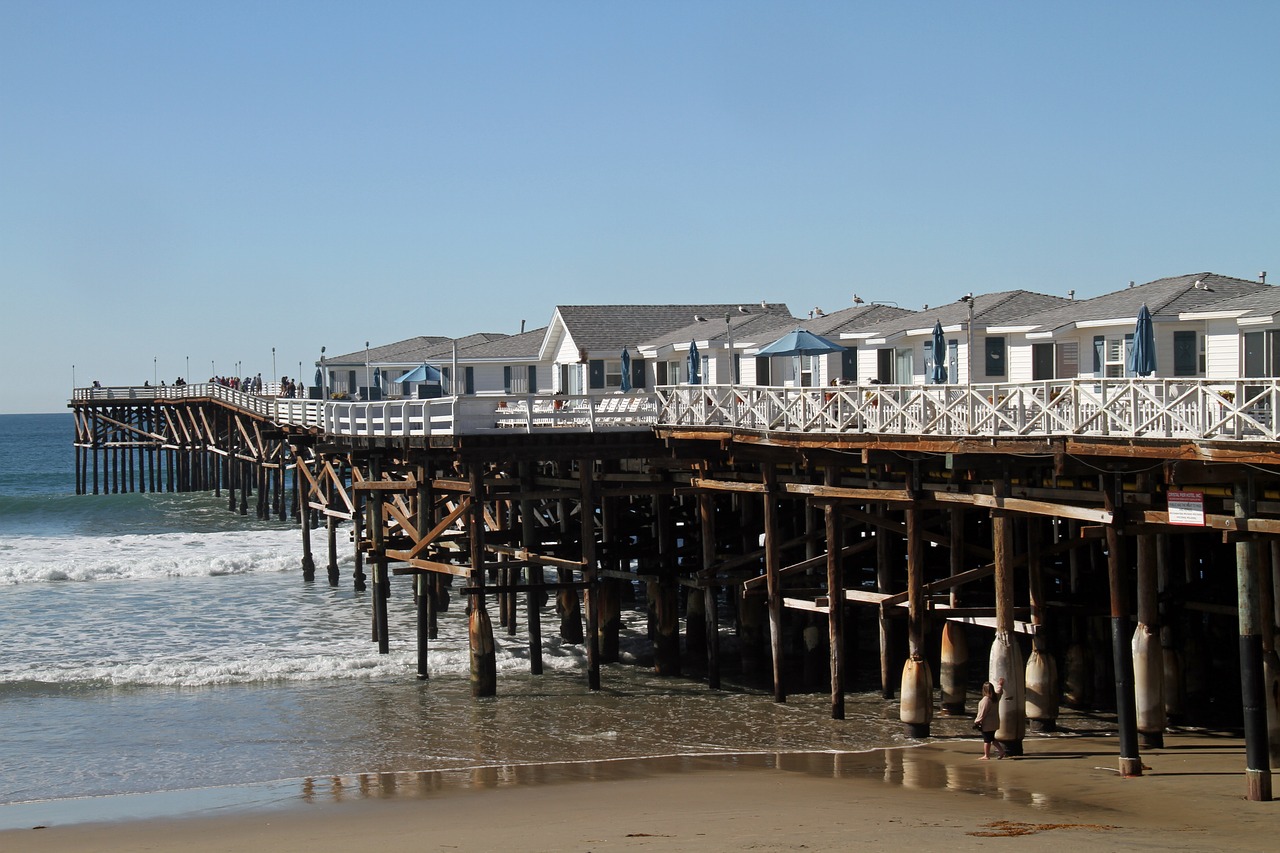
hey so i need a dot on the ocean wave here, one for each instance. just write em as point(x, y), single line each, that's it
point(51, 559)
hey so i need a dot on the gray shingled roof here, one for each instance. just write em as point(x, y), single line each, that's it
point(855, 319)
point(604, 328)
point(400, 351)
point(1264, 301)
point(989, 309)
point(415, 350)
point(1165, 298)
point(745, 326)
point(524, 346)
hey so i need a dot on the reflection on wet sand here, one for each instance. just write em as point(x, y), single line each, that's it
point(915, 768)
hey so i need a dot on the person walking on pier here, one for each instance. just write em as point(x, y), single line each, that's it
point(988, 718)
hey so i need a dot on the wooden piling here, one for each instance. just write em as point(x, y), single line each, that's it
point(484, 663)
point(835, 595)
point(1118, 582)
point(772, 567)
point(1252, 677)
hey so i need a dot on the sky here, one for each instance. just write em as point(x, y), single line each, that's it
point(200, 183)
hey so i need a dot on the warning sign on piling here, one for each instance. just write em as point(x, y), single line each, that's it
point(1186, 508)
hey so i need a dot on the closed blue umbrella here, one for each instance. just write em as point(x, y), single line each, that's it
point(626, 371)
point(939, 345)
point(695, 364)
point(1142, 358)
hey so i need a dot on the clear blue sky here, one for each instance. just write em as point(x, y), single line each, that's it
point(209, 180)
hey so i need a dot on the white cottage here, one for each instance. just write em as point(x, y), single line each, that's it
point(584, 344)
point(898, 350)
point(1093, 337)
point(1241, 335)
point(737, 330)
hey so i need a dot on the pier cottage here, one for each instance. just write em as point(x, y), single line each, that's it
point(1241, 335)
point(1094, 337)
point(584, 344)
point(731, 331)
point(1099, 541)
point(898, 351)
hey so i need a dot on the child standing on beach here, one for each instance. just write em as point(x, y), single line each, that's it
point(988, 718)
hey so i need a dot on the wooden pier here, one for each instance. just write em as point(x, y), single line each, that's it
point(1109, 544)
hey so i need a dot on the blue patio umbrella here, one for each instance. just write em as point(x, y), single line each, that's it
point(1142, 358)
point(626, 371)
point(422, 373)
point(939, 346)
point(800, 342)
point(695, 364)
point(377, 377)
point(319, 378)
point(797, 343)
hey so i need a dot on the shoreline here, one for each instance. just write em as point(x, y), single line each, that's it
point(1064, 789)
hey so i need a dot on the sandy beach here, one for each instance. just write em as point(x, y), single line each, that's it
point(1064, 790)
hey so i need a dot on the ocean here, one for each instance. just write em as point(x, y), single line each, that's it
point(163, 655)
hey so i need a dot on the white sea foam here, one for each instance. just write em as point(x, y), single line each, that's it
point(41, 559)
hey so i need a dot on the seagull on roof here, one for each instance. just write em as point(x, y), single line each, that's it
point(699, 318)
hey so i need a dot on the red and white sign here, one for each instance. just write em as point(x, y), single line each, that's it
point(1186, 508)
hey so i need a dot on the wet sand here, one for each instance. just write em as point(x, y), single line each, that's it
point(1063, 791)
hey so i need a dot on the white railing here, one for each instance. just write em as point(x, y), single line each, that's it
point(410, 417)
point(473, 414)
point(1244, 409)
point(259, 405)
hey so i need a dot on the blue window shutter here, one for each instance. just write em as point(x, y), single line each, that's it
point(506, 378)
point(533, 379)
point(470, 374)
point(1099, 354)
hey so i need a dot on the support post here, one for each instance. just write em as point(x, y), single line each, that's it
point(1122, 656)
point(711, 633)
point(1252, 680)
point(835, 596)
point(1148, 656)
point(308, 561)
point(535, 596)
point(378, 555)
point(954, 659)
point(916, 706)
point(591, 596)
point(1006, 655)
point(773, 580)
point(484, 662)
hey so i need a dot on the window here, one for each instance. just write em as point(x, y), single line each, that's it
point(1262, 353)
point(904, 367)
point(995, 361)
point(1185, 354)
point(613, 374)
point(1111, 356)
point(809, 368)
